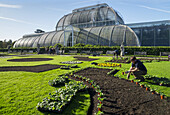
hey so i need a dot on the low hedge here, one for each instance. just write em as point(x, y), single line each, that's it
point(128, 49)
point(151, 50)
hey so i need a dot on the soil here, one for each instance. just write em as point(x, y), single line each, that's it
point(124, 97)
point(37, 69)
point(85, 58)
point(118, 61)
point(30, 59)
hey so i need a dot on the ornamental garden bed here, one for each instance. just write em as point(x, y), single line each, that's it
point(85, 58)
point(30, 59)
point(124, 97)
point(37, 69)
point(126, 60)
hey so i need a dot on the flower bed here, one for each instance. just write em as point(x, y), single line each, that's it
point(109, 64)
point(97, 89)
point(71, 62)
point(59, 99)
point(68, 67)
point(153, 79)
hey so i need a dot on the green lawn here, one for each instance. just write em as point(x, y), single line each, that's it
point(21, 91)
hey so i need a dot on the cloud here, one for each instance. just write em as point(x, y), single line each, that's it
point(156, 9)
point(19, 21)
point(84, 2)
point(10, 6)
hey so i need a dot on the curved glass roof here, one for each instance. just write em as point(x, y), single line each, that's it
point(92, 16)
point(105, 36)
point(96, 25)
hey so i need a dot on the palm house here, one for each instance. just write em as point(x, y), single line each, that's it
point(95, 25)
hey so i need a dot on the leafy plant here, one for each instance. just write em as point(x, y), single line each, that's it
point(99, 113)
point(61, 80)
point(57, 100)
point(101, 99)
point(162, 94)
point(99, 105)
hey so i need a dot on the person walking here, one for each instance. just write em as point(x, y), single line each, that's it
point(137, 69)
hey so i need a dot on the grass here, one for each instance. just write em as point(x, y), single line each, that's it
point(21, 91)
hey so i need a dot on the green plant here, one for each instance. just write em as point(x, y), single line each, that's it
point(61, 80)
point(87, 80)
point(99, 105)
point(64, 67)
point(100, 99)
point(57, 100)
point(162, 94)
point(99, 113)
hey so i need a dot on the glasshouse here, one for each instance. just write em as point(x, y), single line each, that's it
point(155, 33)
point(99, 25)
point(95, 25)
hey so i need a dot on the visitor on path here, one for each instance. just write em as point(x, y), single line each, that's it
point(115, 53)
point(137, 69)
point(122, 53)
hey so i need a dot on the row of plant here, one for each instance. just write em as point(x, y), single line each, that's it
point(162, 81)
point(152, 89)
point(142, 84)
point(60, 80)
point(97, 89)
point(58, 100)
point(71, 62)
point(69, 66)
point(109, 64)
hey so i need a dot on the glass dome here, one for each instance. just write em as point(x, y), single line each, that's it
point(96, 25)
point(92, 16)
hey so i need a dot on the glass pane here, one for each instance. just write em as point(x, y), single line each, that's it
point(56, 37)
point(131, 38)
point(17, 43)
point(75, 18)
point(105, 36)
point(91, 17)
point(110, 15)
point(83, 17)
point(102, 14)
point(61, 40)
point(93, 36)
point(36, 42)
point(82, 37)
point(26, 41)
point(31, 41)
point(60, 24)
point(22, 42)
point(162, 37)
point(48, 40)
point(42, 39)
point(148, 37)
point(67, 20)
point(118, 35)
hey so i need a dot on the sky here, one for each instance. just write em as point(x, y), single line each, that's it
point(20, 17)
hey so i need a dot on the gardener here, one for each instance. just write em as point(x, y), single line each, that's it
point(116, 53)
point(137, 69)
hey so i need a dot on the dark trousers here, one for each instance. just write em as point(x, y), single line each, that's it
point(139, 74)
